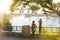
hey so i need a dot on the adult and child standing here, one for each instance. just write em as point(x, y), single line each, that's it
point(34, 27)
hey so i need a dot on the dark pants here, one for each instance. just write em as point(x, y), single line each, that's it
point(33, 32)
point(40, 29)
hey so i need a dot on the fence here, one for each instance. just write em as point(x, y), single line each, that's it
point(44, 29)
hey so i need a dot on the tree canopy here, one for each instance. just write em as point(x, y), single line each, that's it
point(44, 4)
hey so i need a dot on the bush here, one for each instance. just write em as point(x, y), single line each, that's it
point(6, 23)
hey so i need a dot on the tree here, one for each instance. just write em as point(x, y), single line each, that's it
point(16, 3)
point(6, 23)
point(44, 4)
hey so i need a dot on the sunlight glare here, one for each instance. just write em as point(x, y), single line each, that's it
point(22, 17)
point(56, 1)
point(4, 5)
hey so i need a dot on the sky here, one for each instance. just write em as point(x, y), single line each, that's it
point(4, 5)
point(22, 20)
point(56, 1)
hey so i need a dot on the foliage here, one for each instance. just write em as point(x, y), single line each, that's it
point(6, 23)
point(43, 3)
point(47, 4)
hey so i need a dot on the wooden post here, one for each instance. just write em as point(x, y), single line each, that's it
point(26, 30)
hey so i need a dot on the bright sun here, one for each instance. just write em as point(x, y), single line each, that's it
point(4, 5)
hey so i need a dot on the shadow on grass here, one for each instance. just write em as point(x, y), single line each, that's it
point(14, 34)
point(37, 36)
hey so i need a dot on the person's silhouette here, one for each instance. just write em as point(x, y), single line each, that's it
point(33, 28)
point(40, 25)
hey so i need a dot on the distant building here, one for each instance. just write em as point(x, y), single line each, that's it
point(0, 25)
point(0, 22)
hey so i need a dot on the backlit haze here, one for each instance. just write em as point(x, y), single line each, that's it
point(21, 20)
